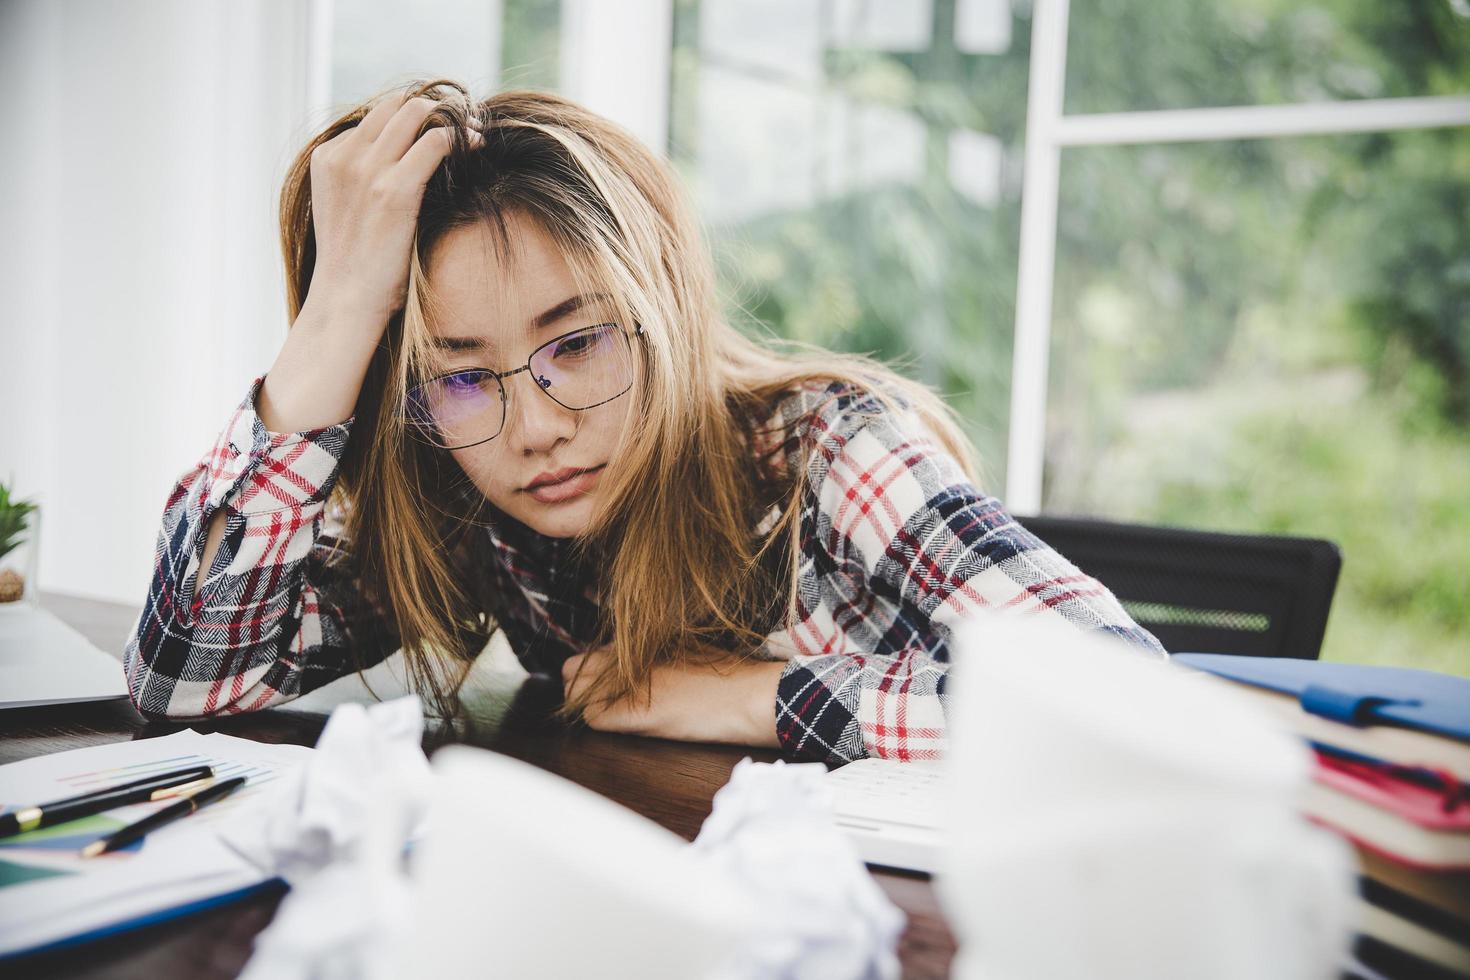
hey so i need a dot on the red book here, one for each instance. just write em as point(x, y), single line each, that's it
point(1417, 817)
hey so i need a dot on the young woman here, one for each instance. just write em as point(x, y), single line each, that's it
point(508, 400)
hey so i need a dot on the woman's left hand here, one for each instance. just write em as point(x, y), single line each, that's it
point(688, 702)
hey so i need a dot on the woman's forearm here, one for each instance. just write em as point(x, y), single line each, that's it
point(690, 702)
point(319, 371)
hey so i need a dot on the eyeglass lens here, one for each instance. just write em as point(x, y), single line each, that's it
point(580, 370)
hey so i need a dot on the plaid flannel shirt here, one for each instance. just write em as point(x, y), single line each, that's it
point(897, 545)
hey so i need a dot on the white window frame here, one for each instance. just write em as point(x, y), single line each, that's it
point(1049, 130)
point(616, 60)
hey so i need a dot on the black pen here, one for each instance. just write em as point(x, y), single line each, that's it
point(155, 787)
point(167, 815)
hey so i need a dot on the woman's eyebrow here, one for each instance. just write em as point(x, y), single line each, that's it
point(557, 313)
point(566, 308)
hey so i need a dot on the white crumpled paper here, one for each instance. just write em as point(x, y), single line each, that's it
point(336, 829)
point(821, 913)
point(368, 775)
point(522, 871)
point(1111, 815)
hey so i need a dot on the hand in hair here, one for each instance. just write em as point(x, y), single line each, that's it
point(688, 702)
point(367, 184)
point(365, 190)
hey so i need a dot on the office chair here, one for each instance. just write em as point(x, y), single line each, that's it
point(1204, 591)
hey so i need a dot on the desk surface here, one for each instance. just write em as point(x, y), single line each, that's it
point(672, 783)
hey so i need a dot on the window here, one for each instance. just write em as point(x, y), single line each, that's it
point(1189, 54)
point(1271, 334)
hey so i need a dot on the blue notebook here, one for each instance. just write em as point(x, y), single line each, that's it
point(147, 919)
point(1354, 694)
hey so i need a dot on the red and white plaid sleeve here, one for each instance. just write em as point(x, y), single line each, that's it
point(277, 614)
point(898, 546)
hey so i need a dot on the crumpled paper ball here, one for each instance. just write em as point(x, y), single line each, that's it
point(336, 829)
point(368, 772)
point(1111, 815)
point(823, 915)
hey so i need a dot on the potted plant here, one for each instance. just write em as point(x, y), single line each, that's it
point(19, 546)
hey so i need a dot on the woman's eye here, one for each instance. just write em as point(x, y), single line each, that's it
point(581, 344)
point(463, 382)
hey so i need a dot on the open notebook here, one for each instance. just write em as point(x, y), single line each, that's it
point(891, 811)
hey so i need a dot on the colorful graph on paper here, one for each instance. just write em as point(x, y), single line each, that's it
point(53, 851)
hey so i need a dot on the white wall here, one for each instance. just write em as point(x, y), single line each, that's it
point(143, 150)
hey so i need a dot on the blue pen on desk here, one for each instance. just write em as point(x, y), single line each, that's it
point(168, 814)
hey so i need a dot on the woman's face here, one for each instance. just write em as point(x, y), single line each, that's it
point(488, 316)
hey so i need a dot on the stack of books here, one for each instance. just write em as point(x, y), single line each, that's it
point(1392, 775)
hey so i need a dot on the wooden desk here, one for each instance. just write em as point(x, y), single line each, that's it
point(672, 783)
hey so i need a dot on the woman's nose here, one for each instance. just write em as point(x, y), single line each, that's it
point(536, 420)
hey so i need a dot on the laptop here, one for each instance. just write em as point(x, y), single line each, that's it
point(45, 661)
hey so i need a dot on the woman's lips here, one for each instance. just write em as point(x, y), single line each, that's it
point(551, 493)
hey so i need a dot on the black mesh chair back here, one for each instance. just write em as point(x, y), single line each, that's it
point(1204, 591)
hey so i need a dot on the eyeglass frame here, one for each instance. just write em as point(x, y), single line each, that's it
point(500, 380)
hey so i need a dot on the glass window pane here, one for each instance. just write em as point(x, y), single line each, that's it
point(530, 51)
point(1274, 336)
point(857, 165)
point(1184, 54)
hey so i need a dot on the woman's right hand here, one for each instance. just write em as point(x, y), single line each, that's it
point(367, 185)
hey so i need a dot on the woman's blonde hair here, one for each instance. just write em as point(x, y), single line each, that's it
point(685, 574)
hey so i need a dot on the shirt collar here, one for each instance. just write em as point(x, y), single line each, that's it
point(538, 562)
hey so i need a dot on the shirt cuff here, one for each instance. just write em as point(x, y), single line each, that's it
point(258, 471)
point(812, 720)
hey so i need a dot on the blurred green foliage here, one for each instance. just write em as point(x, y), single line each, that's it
point(914, 272)
point(530, 44)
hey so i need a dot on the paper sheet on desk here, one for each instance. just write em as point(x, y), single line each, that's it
point(517, 861)
point(336, 830)
point(49, 894)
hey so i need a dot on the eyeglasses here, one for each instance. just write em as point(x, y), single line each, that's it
point(578, 370)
